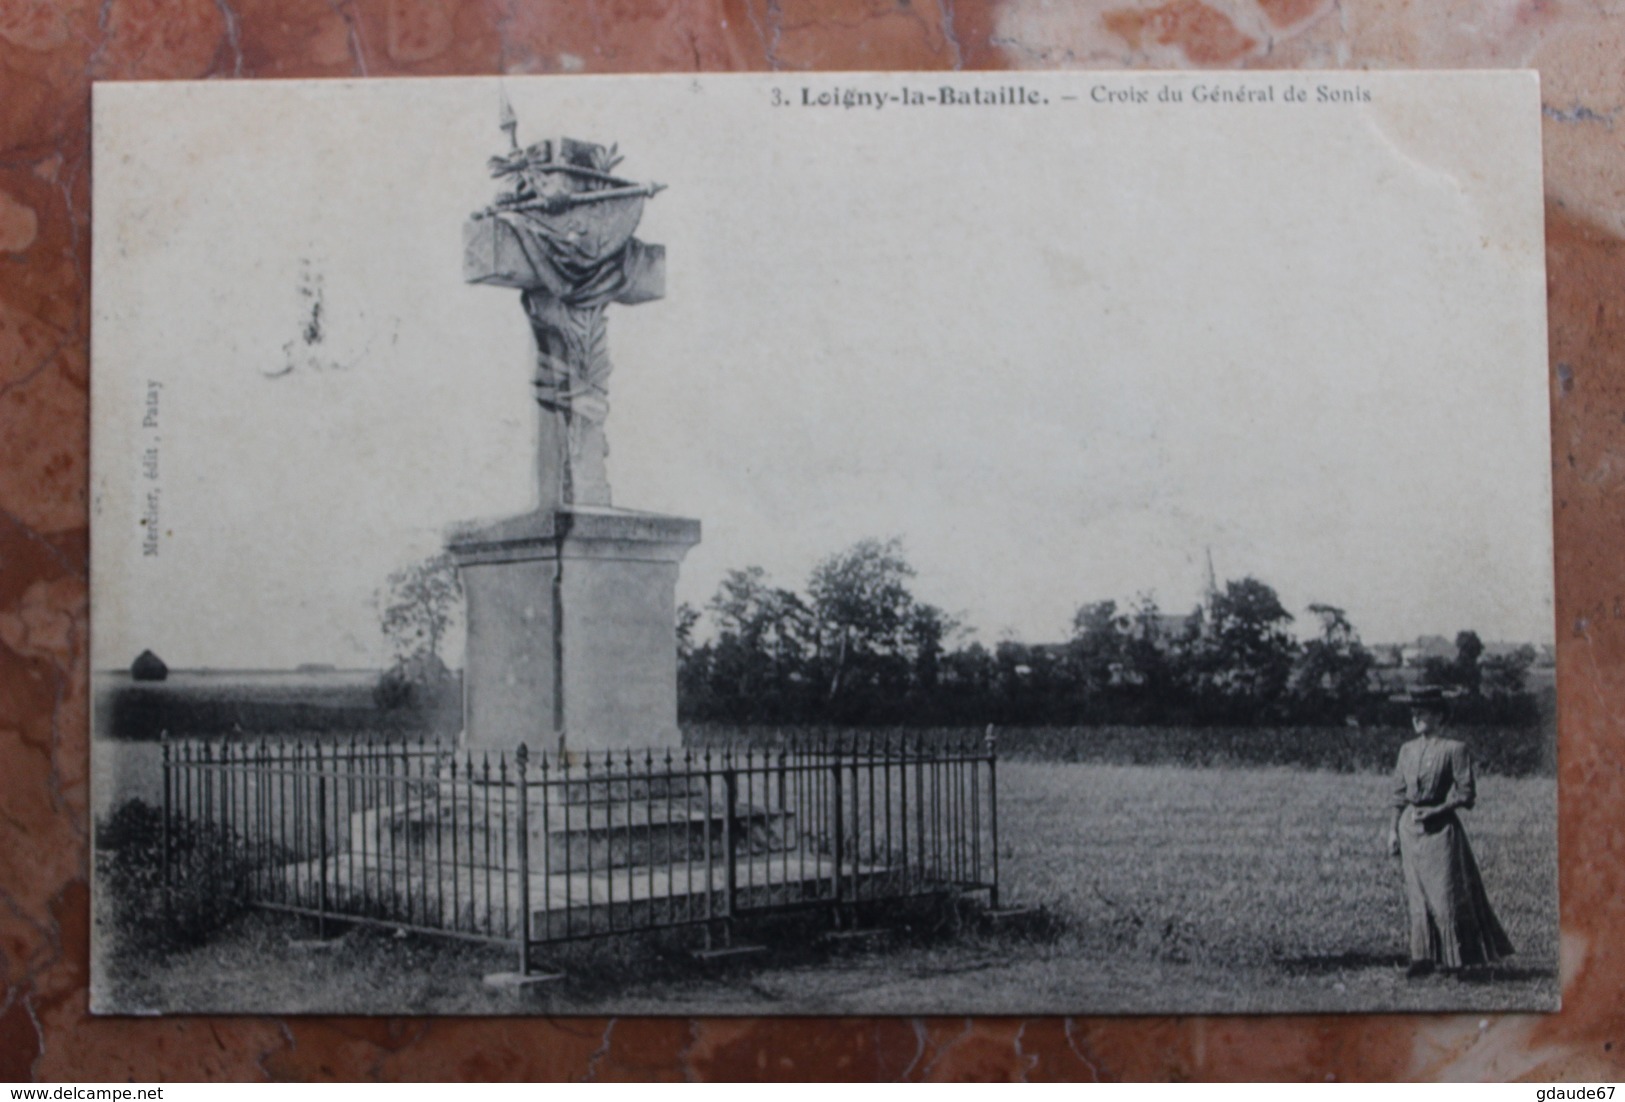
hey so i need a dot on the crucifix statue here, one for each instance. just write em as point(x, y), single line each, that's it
point(572, 607)
point(561, 233)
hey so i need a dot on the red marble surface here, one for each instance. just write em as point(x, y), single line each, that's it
point(51, 51)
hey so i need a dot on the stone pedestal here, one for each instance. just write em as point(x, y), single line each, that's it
point(572, 628)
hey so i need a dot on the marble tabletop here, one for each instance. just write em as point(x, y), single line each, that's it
point(51, 51)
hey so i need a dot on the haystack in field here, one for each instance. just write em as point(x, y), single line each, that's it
point(148, 667)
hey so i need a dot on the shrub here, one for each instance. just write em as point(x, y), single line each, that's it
point(208, 882)
point(394, 690)
point(421, 683)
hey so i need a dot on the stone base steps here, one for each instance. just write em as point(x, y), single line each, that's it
point(473, 898)
point(574, 838)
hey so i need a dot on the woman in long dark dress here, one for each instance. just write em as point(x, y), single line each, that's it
point(1451, 923)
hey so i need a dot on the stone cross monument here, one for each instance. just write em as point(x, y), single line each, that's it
point(571, 607)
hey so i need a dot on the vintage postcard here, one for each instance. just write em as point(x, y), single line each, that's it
point(1070, 543)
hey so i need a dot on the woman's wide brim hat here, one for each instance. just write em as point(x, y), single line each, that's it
point(1426, 697)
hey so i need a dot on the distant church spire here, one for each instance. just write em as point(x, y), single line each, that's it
point(1210, 598)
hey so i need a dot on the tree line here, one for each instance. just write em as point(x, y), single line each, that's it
point(855, 646)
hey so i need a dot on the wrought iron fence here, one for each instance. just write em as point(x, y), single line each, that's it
point(531, 850)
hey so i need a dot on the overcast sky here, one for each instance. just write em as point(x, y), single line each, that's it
point(1061, 351)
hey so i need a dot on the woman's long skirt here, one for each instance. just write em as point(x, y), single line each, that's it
point(1452, 924)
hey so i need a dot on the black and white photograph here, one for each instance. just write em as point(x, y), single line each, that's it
point(929, 544)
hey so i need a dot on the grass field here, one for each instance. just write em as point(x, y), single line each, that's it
point(1165, 889)
point(1276, 875)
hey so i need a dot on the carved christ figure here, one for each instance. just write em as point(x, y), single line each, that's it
point(563, 235)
